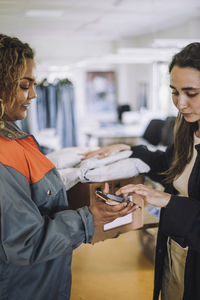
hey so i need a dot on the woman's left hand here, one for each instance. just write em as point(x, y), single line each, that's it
point(151, 196)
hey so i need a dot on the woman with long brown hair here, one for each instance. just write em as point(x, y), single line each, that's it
point(177, 268)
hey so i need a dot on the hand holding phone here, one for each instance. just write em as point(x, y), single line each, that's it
point(110, 198)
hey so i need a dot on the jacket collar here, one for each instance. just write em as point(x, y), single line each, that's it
point(11, 131)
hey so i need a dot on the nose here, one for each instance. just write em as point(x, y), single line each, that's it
point(181, 102)
point(32, 93)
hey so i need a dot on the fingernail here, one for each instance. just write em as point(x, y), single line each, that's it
point(137, 206)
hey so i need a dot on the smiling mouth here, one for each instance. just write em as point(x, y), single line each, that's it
point(25, 105)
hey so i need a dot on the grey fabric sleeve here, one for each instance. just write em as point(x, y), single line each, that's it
point(27, 237)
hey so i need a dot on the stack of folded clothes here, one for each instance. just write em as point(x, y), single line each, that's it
point(115, 166)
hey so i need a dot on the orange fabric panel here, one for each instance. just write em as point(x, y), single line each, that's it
point(24, 156)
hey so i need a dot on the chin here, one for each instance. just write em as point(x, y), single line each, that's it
point(22, 117)
point(190, 118)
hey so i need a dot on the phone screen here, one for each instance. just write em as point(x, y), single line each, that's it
point(115, 198)
point(110, 198)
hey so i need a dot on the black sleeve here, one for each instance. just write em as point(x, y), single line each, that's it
point(158, 161)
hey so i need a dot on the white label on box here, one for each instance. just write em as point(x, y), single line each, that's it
point(119, 222)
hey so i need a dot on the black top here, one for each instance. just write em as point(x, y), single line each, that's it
point(180, 219)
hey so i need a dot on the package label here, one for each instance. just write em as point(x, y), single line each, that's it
point(119, 222)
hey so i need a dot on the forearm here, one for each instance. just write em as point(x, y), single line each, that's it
point(45, 238)
point(158, 161)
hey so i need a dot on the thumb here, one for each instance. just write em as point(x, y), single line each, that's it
point(106, 188)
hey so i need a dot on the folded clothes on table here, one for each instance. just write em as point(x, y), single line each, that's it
point(115, 166)
point(95, 162)
point(124, 168)
point(70, 177)
point(67, 157)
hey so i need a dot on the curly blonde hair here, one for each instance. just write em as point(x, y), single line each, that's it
point(13, 55)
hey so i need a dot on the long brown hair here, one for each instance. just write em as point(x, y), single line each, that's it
point(183, 131)
point(13, 55)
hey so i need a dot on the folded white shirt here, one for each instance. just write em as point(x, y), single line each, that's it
point(115, 166)
point(124, 168)
point(94, 162)
point(67, 157)
point(69, 176)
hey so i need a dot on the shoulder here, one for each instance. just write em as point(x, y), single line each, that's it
point(12, 155)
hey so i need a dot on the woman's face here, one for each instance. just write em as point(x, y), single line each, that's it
point(185, 85)
point(25, 94)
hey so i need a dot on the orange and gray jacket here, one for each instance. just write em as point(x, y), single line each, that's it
point(38, 233)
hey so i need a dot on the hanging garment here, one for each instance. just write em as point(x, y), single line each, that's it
point(42, 112)
point(51, 98)
point(66, 128)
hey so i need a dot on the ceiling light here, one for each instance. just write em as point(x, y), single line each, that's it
point(44, 13)
point(178, 43)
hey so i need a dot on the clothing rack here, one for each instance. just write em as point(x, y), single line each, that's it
point(53, 109)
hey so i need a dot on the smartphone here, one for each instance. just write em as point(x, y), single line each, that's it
point(110, 198)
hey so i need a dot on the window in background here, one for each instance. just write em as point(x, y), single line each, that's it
point(164, 95)
point(101, 92)
point(143, 95)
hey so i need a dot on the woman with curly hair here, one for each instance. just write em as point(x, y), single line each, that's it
point(38, 231)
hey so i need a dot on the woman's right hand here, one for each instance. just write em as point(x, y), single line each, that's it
point(151, 196)
point(105, 151)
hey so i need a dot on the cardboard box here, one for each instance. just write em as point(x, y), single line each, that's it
point(84, 194)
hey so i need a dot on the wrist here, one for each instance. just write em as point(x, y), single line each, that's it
point(168, 197)
point(124, 147)
point(91, 208)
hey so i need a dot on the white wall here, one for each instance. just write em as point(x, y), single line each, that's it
point(129, 76)
point(129, 79)
point(188, 30)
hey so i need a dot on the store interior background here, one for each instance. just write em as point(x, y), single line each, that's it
point(118, 51)
point(133, 39)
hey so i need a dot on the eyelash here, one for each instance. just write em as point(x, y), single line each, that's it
point(192, 95)
point(24, 88)
point(189, 95)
